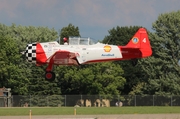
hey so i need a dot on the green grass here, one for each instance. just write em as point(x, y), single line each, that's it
point(87, 110)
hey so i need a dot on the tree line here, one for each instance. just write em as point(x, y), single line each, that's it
point(156, 75)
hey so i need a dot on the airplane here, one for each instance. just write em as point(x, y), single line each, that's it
point(82, 50)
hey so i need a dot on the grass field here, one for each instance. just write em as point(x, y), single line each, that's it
point(87, 110)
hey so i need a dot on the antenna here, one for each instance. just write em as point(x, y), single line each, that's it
point(59, 39)
point(108, 40)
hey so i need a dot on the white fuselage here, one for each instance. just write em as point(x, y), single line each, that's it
point(84, 53)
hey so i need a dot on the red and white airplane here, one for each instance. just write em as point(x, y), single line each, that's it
point(81, 50)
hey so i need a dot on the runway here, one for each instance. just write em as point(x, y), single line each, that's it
point(121, 116)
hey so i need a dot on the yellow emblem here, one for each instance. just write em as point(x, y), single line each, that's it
point(107, 48)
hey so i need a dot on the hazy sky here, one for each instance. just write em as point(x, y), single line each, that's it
point(93, 17)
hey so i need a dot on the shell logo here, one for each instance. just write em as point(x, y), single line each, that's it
point(107, 48)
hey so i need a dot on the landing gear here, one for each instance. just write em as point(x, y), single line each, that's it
point(50, 76)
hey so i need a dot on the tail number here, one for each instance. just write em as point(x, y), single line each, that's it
point(144, 40)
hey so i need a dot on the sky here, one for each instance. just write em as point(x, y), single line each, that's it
point(94, 18)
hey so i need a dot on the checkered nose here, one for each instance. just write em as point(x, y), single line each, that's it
point(31, 53)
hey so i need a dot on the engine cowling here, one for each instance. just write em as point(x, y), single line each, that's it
point(35, 54)
point(31, 53)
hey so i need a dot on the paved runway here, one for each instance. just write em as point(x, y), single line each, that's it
point(122, 116)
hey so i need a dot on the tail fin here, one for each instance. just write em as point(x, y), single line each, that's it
point(141, 41)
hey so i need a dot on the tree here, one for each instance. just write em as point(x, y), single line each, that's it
point(132, 74)
point(163, 69)
point(11, 74)
point(101, 78)
point(16, 72)
point(120, 35)
point(70, 30)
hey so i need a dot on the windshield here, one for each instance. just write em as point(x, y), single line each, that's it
point(80, 41)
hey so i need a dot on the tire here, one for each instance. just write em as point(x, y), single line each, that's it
point(50, 76)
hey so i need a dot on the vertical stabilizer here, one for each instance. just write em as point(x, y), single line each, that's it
point(140, 40)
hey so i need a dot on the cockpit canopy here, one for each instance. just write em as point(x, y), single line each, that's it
point(80, 41)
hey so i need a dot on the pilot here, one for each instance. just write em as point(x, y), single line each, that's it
point(65, 41)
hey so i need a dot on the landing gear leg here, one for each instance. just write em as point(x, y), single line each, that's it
point(49, 75)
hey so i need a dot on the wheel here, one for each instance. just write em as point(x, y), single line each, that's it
point(50, 76)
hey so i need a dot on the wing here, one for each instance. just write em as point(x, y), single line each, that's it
point(63, 58)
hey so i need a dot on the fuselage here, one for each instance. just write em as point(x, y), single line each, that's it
point(82, 53)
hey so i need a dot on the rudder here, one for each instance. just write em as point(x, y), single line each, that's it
point(140, 40)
